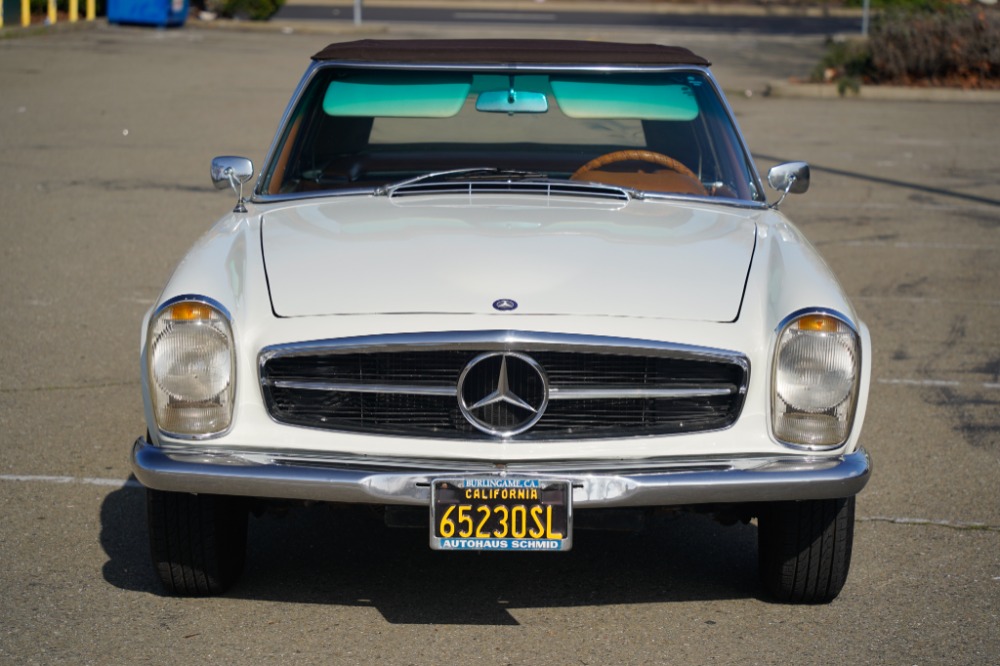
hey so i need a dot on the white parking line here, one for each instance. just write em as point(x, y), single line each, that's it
point(958, 525)
point(938, 383)
point(909, 245)
point(502, 16)
point(922, 300)
point(90, 481)
point(131, 483)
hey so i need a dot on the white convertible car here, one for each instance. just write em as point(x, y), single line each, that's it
point(499, 285)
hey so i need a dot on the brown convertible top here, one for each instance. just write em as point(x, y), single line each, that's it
point(507, 52)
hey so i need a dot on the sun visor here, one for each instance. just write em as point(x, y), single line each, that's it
point(409, 95)
point(591, 97)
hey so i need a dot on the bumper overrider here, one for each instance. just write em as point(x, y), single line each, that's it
point(596, 484)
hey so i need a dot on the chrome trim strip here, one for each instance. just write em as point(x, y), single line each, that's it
point(359, 479)
point(500, 340)
point(556, 393)
point(747, 154)
point(396, 389)
point(637, 195)
point(510, 67)
point(285, 116)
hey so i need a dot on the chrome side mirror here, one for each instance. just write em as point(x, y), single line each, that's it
point(234, 172)
point(789, 178)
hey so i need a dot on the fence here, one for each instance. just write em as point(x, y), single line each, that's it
point(10, 8)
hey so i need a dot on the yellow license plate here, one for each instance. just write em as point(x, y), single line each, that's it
point(501, 513)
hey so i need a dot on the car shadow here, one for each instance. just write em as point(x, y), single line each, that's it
point(891, 182)
point(123, 538)
point(345, 555)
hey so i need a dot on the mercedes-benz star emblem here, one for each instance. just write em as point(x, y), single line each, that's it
point(503, 393)
point(504, 305)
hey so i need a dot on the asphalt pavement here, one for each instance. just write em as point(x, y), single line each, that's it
point(559, 14)
point(106, 137)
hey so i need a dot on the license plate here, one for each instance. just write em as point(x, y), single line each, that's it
point(501, 513)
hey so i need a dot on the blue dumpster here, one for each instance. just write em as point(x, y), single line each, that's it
point(148, 12)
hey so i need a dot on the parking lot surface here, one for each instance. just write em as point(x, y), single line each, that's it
point(106, 136)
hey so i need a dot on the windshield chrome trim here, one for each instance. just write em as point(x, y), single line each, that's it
point(259, 197)
point(519, 67)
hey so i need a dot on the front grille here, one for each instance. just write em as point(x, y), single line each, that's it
point(596, 388)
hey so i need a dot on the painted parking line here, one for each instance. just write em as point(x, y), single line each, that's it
point(911, 245)
point(923, 300)
point(941, 383)
point(503, 16)
point(132, 483)
point(84, 480)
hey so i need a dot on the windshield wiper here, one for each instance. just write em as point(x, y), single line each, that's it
point(460, 174)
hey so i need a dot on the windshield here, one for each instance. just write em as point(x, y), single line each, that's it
point(657, 132)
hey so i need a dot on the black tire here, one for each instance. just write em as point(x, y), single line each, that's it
point(805, 549)
point(197, 542)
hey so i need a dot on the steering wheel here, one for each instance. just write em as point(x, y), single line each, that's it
point(633, 156)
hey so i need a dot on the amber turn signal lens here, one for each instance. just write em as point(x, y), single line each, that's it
point(819, 324)
point(190, 312)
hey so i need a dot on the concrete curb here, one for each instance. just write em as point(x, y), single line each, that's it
point(292, 26)
point(16, 31)
point(620, 6)
point(793, 90)
point(776, 89)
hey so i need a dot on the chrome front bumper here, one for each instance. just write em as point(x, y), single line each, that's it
point(601, 483)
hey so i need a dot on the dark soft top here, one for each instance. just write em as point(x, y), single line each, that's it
point(507, 51)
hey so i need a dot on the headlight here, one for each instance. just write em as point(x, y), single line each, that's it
point(817, 366)
point(191, 368)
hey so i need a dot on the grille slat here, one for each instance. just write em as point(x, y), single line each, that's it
point(594, 393)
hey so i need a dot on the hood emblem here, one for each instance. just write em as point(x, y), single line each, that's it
point(503, 393)
point(504, 305)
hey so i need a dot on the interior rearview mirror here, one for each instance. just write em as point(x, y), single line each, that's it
point(512, 101)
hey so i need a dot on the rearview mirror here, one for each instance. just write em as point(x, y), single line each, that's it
point(512, 101)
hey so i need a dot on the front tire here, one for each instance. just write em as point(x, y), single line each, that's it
point(805, 549)
point(197, 542)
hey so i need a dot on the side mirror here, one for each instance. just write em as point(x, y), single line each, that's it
point(234, 172)
point(789, 178)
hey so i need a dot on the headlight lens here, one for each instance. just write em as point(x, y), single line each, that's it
point(191, 368)
point(816, 372)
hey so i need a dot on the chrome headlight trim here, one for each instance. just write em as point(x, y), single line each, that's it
point(804, 397)
point(210, 414)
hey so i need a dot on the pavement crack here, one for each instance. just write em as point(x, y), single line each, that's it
point(80, 387)
point(927, 522)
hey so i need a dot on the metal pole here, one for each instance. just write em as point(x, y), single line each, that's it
point(864, 18)
point(357, 12)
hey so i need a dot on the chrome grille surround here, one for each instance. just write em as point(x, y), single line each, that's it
point(408, 385)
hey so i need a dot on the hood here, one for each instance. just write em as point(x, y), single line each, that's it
point(569, 256)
